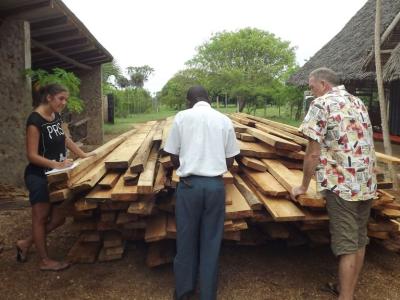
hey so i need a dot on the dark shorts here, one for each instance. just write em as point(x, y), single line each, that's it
point(37, 186)
point(347, 223)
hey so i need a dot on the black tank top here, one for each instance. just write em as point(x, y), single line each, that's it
point(51, 140)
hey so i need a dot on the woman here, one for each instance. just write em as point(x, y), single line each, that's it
point(46, 146)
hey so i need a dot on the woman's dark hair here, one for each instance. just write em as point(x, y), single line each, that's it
point(51, 89)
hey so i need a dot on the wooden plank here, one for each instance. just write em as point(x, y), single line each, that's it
point(159, 132)
point(130, 178)
point(235, 167)
point(239, 208)
point(98, 195)
point(282, 134)
point(265, 183)
point(290, 164)
point(174, 179)
point(281, 126)
point(247, 193)
point(60, 195)
point(245, 137)
point(145, 207)
point(227, 177)
point(156, 229)
point(108, 216)
point(160, 253)
point(103, 257)
point(83, 205)
point(112, 239)
point(299, 155)
point(239, 128)
point(171, 227)
point(387, 158)
point(90, 236)
point(166, 129)
point(85, 163)
point(381, 235)
point(281, 209)
point(123, 155)
point(276, 230)
point(389, 213)
point(253, 163)
point(109, 205)
point(291, 178)
point(109, 181)
point(90, 178)
point(143, 153)
point(166, 162)
point(274, 141)
point(122, 192)
point(146, 178)
point(124, 218)
point(242, 120)
point(383, 225)
point(159, 183)
point(232, 236)
point(258, 150)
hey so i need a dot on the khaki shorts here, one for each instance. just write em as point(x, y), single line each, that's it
point(347, 223)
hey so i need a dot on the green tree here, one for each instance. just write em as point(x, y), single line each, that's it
point(242, 61)
point(139, 75)
point(174, 91)
point(41, 78)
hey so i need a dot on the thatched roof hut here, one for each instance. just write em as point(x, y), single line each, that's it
point(350, 52)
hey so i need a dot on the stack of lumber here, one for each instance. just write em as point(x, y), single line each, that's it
point(126, 192)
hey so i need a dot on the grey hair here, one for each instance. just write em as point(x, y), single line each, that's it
point(326, 74)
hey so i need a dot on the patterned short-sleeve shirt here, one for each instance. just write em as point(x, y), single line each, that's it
point(339, 121)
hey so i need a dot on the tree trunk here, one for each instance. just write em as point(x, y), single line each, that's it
point(217, 101)
point(242, 104)
point(226, 100)
point(382, 103)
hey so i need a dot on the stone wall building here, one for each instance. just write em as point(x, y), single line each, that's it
point(43, 34)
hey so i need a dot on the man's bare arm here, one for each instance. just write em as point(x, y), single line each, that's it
point(229, 162)
point(175, 160)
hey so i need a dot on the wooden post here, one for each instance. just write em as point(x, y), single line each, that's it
point(382, 103)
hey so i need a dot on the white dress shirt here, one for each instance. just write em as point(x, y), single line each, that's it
point(202, 138)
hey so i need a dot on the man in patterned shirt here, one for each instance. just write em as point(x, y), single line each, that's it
point(341, 154)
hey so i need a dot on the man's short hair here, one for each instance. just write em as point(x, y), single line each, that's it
point(197, 93)
point(326, 74)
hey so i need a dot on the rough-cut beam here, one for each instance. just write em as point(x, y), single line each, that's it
point(56, 36)
point(390, 28)
point(25, 8)
point(68, 44)
point(48, 23)
point(61, 56)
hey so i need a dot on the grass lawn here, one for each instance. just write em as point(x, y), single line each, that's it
point(123, 124)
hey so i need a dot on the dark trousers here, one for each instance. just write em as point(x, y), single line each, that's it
point(200, 214)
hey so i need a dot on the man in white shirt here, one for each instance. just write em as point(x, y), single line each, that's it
point(202, 144)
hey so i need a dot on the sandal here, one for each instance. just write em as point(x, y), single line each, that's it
point(60, 266)
point(21, 255)
point(332, 288)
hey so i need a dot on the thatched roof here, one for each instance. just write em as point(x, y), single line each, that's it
point(347, 52)
point(392, 67)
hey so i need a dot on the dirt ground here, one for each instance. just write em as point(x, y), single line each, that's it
point(273, 271)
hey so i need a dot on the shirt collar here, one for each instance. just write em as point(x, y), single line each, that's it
point(339, 88)
point(202, 104)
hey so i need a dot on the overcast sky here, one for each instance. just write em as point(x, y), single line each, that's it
point(164, 34)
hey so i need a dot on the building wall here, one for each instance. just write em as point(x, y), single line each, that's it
point(15, 99)
point(91, 93)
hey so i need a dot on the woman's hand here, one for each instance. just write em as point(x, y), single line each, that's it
point(62, 164)
point(88, 154)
